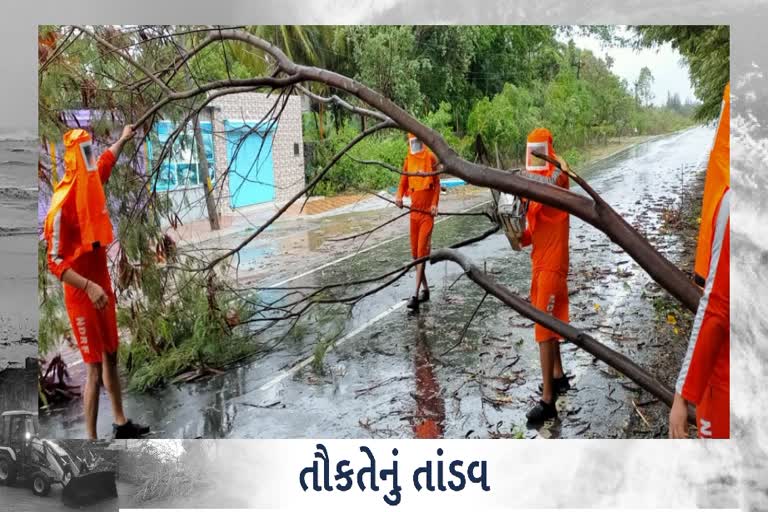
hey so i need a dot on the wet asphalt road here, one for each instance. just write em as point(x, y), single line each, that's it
point(393, 374)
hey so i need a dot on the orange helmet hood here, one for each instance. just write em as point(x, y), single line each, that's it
point(411, 138)
point(539, 140)
point(81, 187)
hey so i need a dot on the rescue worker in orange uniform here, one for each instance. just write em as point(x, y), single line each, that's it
point(704, 378)
point(547, 230)
point(705, 374)
point(717, 179)
point(423, 187)
point(78, 232)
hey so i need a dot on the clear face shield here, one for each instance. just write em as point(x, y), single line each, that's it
point(415, 145)
point(86, 149)
point(532, 162)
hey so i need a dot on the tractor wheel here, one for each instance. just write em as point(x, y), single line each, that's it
point(41, 485)
point(7, 470)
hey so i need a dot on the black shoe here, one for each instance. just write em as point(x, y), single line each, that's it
point(129, 430)
point(413, 304)
point(561, 385)
point(424, 296)
point(541, 412)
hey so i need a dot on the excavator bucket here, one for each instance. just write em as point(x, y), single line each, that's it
point(89, 488)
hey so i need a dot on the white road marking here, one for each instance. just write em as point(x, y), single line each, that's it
point(301, 364)
point(330, 263)
point(339, 260)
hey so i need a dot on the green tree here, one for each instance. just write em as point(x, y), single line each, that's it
point(643, 94)
point(505, 120)
point(386, 59)
point(312, 45)
point(450, 50)
point(706, 50)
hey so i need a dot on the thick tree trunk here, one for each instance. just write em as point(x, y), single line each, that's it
point(321, 118)
point(205, 177)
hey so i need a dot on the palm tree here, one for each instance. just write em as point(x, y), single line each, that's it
point(311, 45)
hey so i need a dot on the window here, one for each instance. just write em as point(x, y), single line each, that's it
point(180, 167)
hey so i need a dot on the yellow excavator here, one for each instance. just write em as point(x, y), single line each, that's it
point(41, 463)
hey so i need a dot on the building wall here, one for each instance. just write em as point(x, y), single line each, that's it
point(18, 388)
point(288, 167)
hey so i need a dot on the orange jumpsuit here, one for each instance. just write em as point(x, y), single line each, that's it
point(705, 375)
point(717, 180)
point(547, 230)
point(78, 231)
point(425, 193)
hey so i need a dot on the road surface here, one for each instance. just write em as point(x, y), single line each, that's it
point(392, 374)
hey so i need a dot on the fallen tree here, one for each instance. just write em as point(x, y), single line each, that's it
point(600, 215)
point(284, 76)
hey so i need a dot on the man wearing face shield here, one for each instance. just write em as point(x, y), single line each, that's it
point(78, 231)
point(424, 191)
point(547, 232)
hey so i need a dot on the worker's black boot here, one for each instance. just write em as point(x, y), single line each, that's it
point(561, 385)
point(542, 412)
point(129, 430)
point(424, 295)
point(413, 304)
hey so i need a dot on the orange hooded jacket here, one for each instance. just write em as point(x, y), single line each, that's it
point(707, 360)
point(423, 190)
point(546, 227)
point(78, 220)
point(718, 178)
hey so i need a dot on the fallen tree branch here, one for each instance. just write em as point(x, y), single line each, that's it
point(439, 213)
point(582, 340)
point(167, 90)
point(394, 169)
point(340, 102)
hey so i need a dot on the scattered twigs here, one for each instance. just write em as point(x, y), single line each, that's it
point(466, 325)
point(640, 413)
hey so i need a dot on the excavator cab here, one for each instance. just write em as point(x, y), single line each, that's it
point(18, 429)
point(42, 463)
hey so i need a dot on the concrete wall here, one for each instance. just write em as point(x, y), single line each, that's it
point(189, 204)
point(288, 167)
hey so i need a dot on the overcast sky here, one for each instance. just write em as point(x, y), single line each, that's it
point(668, 70)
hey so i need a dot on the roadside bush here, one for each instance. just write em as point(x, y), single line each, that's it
point(348, 174)
point(178, 332)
